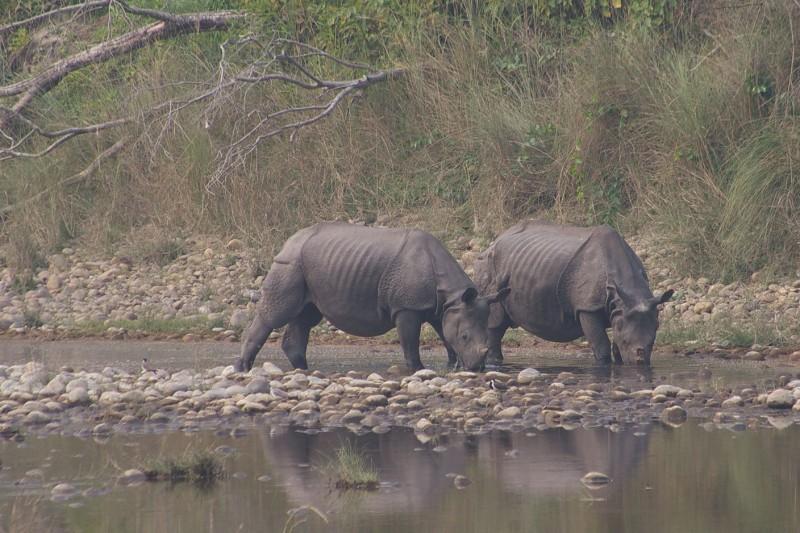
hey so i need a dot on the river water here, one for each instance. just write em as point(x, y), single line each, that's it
point(695, 478)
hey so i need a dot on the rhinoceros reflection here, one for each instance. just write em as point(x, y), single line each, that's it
point(549, 463)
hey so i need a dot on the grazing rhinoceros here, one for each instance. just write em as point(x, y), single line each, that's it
point(567, 282)
point(366, 281)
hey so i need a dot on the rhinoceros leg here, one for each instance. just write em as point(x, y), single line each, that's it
point(283, 298)
point(495, 341)
point(617, 354)
point(295, 338)
point(593, 326)
point(408, 324)
point(452, 358)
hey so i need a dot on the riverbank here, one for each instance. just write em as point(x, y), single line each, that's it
point(210, 290)
point(36, 398)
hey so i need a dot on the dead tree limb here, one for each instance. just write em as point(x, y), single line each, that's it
point(38, 20)
point(245, 63)
point(170, 26)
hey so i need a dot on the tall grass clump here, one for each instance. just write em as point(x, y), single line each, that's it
point(351, 469)
point(199, 468)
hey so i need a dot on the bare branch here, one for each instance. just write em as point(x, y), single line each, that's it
point(38, 20)
point(314, 51)
point(244, 63)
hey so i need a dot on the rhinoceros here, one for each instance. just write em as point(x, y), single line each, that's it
point(567, 282)
point(366, 281)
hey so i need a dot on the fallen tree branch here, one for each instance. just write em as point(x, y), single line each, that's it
point(279, 61)
point(43, 82)
point(38, 20)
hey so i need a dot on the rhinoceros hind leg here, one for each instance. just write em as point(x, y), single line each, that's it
point(593, 326)
point(295, 338)
point(408, 324)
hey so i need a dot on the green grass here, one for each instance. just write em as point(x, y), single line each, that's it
point(727, 332)
point(32, 319)
point(351, 469)
point(198, 468)
point(152, 325)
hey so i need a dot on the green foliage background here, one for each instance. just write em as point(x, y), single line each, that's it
point(672, 116)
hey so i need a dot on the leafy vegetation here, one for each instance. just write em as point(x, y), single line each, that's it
point(673, 116)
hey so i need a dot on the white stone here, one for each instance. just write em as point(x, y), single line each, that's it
point(780, 399)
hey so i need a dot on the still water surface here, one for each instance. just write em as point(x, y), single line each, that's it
point(681, 480)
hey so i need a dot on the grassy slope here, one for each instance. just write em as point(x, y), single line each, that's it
point(690, 130)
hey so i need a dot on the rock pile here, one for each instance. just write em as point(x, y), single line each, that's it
point(115, 400)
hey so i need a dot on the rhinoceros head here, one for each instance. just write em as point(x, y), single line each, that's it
point(635, 323)
point(465, 324)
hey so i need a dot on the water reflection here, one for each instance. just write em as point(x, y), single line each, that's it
point(543, 464)
point(663, 480)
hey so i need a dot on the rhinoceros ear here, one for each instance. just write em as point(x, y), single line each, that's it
point(499, 296)
point(469, 295)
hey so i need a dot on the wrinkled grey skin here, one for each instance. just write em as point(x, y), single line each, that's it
point(567, 282)
point(366, 281)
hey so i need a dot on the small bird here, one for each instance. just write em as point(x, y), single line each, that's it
point(704, 373)
point(146, 366)
point(497, 385)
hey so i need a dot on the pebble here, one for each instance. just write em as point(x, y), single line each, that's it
point(733, 401)
point(780, 399)
point(424, 425)
point(102, 429)
point(753, 355)
point(509, 412)
point(37, 417)
point(666, 390)
point(132, 477)
point(595, 479)
point(425, 373)
point(461, 482)
point(527, 376)
point(63, 491)
point(674, 416)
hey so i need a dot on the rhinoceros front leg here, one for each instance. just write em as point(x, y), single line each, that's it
point(283, 297)
point(616, 352)
point(408, 324)
point(495, 341)
point(295, 338)
point(452, 358)
point(257, 334)
point(593, 326)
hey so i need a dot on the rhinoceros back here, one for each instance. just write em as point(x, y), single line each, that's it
point(536, 256)
point(358, 277)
